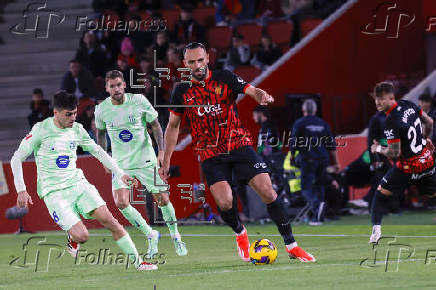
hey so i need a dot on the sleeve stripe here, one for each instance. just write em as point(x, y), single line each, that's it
point(394, 141)
point(245, 87)
point(174, 112)
point(420, 113)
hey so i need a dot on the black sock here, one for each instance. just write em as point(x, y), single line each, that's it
point(378, 207)
point(282, 220)
point(231, 218)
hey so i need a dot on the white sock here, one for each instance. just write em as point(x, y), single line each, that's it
point(291, 246)
point(376, 228)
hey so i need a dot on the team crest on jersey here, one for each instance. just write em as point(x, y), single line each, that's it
point(63, 161)
point(125, 135)
point(218, 90)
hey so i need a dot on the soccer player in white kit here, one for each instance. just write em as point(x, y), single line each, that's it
point(124, 117)
point(63, 187)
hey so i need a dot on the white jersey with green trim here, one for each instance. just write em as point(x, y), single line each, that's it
point(126, 125)
point(55, 156)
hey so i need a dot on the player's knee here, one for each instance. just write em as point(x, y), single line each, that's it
point(163, 199)
point(122, 203)
point(267, 193)
point(81, 236)
point(225, 204)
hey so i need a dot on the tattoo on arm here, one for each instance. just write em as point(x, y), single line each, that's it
point(158, 134)
point(392, 151)
point(101, 139)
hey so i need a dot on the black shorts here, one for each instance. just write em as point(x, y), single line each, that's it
point(243, 162)
point(397, 181)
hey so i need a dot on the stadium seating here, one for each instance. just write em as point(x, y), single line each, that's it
point(170, 16)
point(204, 15)
point(307, 25)
point(220, 38)
point(212, 57)
point(248, 73)
point(251, 33)
point(281, 32)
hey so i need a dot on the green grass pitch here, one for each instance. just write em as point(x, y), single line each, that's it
point(212, 263)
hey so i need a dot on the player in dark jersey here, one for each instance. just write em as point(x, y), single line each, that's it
point(409, 145)
point(224, 145)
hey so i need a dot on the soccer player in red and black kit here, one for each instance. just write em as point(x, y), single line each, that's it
point(409, 145)
point(224, 145)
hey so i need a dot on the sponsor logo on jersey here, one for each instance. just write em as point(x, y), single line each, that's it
point(63, 161)
point(28, 136)
point(389, 133)
point(210, 109)
point(407, 113)
point(125, 135)
point(421, 175)
point(259, 165)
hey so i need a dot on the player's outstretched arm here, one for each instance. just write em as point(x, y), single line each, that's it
point(259, 95)
point(392, 151)
point(170, 141)
point(158, 137)
point(26, 148)
point(428, 124)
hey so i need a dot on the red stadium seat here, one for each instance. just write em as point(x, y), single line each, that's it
point(251, 32)
point(204, 15)
point(281, 32)
point(170, 17)
point(248, 73)
point(307, 25)
point(220, 38)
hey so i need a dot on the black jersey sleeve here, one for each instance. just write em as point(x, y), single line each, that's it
point(235, 83)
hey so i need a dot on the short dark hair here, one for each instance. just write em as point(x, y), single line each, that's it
point(74, 60)
point(425, 98)
point(383, 88)
point(38, 91)
point(193, 45)
point(64, 101)
point(113, 74)
point(263, 110)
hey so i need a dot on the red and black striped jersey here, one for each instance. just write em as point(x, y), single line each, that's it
point(210, 110)
point(403, 124)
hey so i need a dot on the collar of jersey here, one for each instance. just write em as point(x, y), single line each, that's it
point(391, 108)
point(120, 105)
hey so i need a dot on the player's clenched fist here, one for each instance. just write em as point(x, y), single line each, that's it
point(23, 199)
point(164, 171)
point(129, 180)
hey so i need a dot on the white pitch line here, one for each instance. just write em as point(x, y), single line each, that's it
point(269, 235)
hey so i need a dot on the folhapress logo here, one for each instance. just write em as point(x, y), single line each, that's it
point(38, 19)
point(388, 20)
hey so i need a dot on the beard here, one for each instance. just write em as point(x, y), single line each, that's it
point(200, 74)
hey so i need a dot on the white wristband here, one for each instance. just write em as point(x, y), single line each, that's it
point(378, 149)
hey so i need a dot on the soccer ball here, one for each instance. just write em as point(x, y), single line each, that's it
point(263, 252)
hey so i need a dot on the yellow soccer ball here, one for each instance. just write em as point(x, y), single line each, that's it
point(263, 252)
